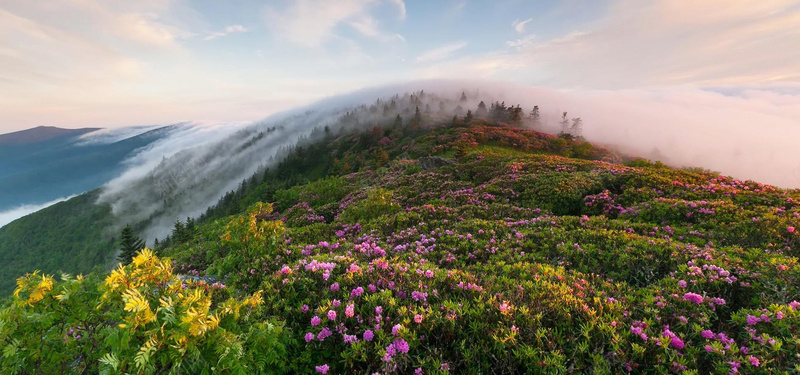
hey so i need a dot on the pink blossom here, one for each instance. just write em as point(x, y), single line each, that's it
point(401, 345)
point(331, 315)
point(418, 318)
point(693, 297)
point(315, 321)
point(323, 369)
point(349, 311)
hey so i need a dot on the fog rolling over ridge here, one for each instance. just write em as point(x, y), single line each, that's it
point(750, 135)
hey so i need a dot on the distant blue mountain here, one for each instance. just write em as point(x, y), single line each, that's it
point(45, 163)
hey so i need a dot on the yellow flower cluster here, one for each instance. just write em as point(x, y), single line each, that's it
point(145, 268)
point(183, 313)
point(36, 285)
point(254, 227)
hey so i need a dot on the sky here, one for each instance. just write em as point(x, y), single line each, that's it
point(112, 63)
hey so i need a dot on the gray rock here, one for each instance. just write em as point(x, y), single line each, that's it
point(433, 162)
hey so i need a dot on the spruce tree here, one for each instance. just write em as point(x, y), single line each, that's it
point(129, 245)
point(535, 116)
point(468, 117)
point(481, 112)
point(398, 121)
point(564, 123)
point(416, 121)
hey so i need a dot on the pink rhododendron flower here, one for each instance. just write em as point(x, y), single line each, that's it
point(693, 297)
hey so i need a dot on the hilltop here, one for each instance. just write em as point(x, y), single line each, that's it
point(436, 246)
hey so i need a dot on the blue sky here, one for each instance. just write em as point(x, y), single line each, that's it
point(118, 62)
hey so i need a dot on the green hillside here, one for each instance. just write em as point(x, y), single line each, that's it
point(72, 236)
point(433, 246)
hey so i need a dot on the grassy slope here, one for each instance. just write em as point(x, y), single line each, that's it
point(519, 257)
point(518, 260)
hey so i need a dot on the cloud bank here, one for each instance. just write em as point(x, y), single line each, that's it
point(749, 134)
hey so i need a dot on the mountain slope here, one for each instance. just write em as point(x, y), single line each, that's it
point(70, 236)
point(40, 134)
point(437, 247)
point(40, 166)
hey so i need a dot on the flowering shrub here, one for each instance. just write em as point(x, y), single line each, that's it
point(147, 321)
point(509, 260)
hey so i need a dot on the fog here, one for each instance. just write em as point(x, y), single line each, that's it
point(749, 135)
point(111, 135)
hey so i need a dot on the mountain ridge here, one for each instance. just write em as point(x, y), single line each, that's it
point(41, 134)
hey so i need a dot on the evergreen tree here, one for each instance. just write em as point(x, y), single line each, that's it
point(427, 108)
point(459, 110)
point(564, 123)
point(515, 115)
point(468, 117)
point(178, 231)
point(189, 229)
point(416, 121)
point(463, 97)
point(129, 244)
point(577, 126)
point(535, 117)
point(482, 111)
point(455, 120)
point(398, 121)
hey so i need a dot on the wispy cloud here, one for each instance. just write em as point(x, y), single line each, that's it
point(401, 7)
point(309, 23)
point(233, 29)
point(519, 26)
point(656, 43)
point(441, 53)
point(369, 27)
